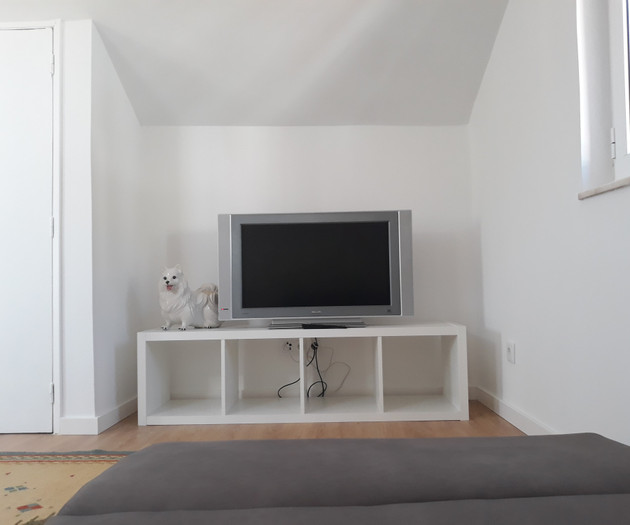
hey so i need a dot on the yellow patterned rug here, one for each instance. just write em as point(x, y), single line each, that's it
point(35, 486)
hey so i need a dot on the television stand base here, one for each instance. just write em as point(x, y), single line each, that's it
point(389, 381)
point(315, 325)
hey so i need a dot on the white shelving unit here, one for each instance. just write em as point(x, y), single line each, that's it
point(204, 376)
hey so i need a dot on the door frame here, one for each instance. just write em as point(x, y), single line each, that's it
point(56, 375)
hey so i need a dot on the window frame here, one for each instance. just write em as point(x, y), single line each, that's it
point(603, 49)
point(620, 135)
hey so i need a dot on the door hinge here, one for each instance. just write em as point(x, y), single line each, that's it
point(51, 391)
point(52, 227)
point(613, 144)
point(52, 65)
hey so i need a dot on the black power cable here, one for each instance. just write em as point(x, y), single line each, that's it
point(285, 386)
point(324, 385)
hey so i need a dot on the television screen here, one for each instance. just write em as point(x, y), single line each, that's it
point(315, 264)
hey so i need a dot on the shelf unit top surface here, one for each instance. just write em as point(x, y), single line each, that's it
point(248, 332)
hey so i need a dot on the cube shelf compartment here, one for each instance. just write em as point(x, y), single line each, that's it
point(405, 372)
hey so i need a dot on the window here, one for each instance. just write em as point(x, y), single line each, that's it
point(620, 137)
point(603, 51)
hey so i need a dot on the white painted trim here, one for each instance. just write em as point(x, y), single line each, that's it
point(104, 421)
point(36, 24)
point(56, 262)
point(521, 420)
point(604, 188)
point(78, 426)
point(95, 425)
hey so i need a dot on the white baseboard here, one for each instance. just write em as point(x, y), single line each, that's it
point(524, 422)
point(117, 414)
point(77, 426)
point(95, 425)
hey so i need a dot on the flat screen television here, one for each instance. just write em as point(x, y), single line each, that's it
point(315, 266)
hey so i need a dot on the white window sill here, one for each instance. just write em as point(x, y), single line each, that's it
point(604, 188)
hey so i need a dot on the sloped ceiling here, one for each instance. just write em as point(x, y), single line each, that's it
point(290, 62)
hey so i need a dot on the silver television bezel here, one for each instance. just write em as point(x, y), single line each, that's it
point(401, 267)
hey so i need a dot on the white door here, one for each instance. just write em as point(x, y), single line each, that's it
point(26, 170)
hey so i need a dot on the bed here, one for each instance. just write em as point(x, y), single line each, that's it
point(564, 479)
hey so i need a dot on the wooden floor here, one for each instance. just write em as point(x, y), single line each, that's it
point(127, 435)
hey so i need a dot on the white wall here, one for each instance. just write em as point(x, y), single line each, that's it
point(198, 172)
point(119, 240)
point(555, 269)
point(102, 238)
point(554, 272)
point(139, 198)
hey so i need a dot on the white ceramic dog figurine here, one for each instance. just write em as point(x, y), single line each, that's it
point(181, 305)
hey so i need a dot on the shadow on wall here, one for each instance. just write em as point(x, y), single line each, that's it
point(197, 254)
point(142, 314)
point(447, 276)
point(448, 286)
point(484, 350)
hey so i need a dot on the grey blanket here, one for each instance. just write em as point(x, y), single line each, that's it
point(569, 479)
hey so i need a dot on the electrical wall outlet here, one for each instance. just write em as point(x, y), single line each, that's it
point(290, 345)
point(510, 352)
